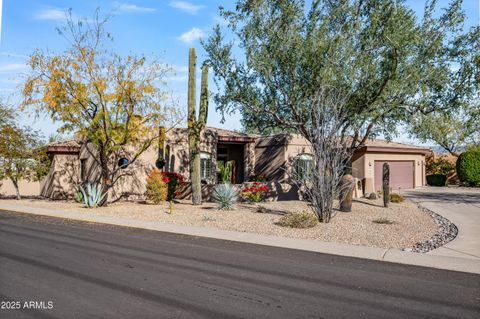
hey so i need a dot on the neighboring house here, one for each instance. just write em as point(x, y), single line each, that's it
point(272, 156)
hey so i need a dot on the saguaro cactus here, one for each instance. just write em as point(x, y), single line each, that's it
point(196, 125)
point(386, 184)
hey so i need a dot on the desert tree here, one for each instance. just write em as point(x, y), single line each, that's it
point(326, 128)
point(116, 104)
point(6, 114)
point(275, 54)
point(22, 155)
point(453, 124)
point(454, 130)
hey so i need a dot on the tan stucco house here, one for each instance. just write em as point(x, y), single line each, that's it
point(272, 156)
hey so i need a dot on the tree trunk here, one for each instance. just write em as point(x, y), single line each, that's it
point(104, 176)
point(17, 190)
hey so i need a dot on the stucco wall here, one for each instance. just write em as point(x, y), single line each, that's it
point(26, 188)
point(63, 178)
point(358, 168)
point(177, 151)
point(270, 157)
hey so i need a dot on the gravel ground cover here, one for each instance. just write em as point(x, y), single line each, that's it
point(410, 224)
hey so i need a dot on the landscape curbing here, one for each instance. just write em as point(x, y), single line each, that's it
point(347, 250)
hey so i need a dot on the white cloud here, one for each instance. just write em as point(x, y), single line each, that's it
point(133, 8)
point(51, 14)
point(186, 6)
point(12, 67)
point(10, 81)
point(192, 35)
point(14, 55)
point(176, 78)
point(179, 68)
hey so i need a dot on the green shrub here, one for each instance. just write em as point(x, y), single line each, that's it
point(157, 189)
point(437, 180)
point(298, 220)
point(78, 197)
point(396, 198)
point(468, 167)
point(225, 195)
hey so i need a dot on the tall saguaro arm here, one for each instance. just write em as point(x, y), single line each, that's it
point(196, 125)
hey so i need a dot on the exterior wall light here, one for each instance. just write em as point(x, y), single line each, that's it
point(123, 162)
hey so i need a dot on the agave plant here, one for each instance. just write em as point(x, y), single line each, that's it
point(225, 195)
point(92, 195)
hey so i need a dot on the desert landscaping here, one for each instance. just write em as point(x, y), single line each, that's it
point(410, 225)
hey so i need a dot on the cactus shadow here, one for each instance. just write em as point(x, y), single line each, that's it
point(366, 203)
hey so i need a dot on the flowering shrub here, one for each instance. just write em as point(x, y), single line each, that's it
point(254, 191)
point(258, 178)
point(173, 181)
point(156, 187)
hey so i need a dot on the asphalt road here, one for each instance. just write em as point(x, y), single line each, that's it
point(98, 271)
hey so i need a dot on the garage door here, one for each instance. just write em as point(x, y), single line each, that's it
point(401, 174)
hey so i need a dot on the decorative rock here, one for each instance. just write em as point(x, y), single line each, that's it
point(372, 196)
point(447, 232)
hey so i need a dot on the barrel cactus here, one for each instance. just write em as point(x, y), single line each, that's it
point(346, 193)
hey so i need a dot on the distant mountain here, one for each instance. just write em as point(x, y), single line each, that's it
point(440, 150)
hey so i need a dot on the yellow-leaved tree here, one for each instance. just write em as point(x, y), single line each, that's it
point(116, 104)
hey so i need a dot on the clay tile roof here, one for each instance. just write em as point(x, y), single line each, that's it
point(65, 146)
point(224, 132)
point(231, 136)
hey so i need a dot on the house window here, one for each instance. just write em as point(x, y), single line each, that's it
point(205, 166)
point(303, 167)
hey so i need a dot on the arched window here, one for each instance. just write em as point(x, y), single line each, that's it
point(303, 167)
point(205, 166)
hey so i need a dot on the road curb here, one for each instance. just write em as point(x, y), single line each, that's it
point(373, 253)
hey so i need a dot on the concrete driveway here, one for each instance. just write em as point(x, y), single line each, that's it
point(462, 207)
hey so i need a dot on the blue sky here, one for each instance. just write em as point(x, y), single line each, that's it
point(163, 28)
